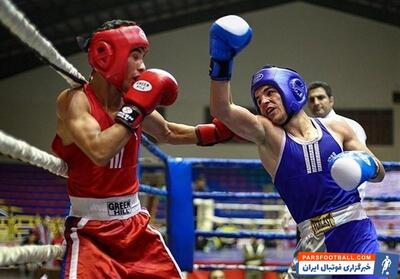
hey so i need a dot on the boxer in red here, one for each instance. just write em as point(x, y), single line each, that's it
point(99, 128)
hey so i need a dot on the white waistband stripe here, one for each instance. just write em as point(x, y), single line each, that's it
point(115, 208)
point(339, 217)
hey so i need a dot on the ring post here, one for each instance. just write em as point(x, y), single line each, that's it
point(181, 238)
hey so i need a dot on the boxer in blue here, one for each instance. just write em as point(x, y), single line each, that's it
point(305, 157)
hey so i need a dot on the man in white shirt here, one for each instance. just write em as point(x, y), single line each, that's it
point(320, 104)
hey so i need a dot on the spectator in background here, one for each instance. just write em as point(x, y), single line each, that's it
point(216, 274)
point(320, 103)
point(28, 270)
point(43, 230)
point(391, 244)
point(254, 254)
point(200, 185)
point(32, 238)
point(57, 239)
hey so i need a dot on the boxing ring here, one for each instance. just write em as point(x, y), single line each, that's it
point(179, 173)
point(181, 230)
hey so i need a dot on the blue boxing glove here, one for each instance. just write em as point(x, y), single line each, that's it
point(228, 35)
point(351, 168)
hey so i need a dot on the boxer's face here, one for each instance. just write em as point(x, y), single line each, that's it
point(134, 68)
point(270, 103)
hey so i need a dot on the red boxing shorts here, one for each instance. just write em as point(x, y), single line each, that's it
point(127, 248)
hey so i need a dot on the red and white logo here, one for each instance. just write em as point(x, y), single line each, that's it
point(142, 85)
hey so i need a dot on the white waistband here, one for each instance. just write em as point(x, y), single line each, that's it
point(105, 209)
point(340, 216)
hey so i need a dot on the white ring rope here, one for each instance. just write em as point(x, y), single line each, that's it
point(246, 221)
point(18, 24)
point(30, 254)
point(258, 207)
point(24, 152)
point(206, 214)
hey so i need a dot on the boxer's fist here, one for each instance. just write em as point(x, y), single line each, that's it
point(228, 36)
point(215, 132)
point(153, 88)
point(351, 168)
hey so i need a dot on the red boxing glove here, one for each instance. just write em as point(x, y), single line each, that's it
point(215, 132)
point(155, 87)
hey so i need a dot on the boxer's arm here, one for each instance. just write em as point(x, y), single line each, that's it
point(168, 132)
point(352, 143)
point(228, 36)
point(77, 125)
point(238, 119)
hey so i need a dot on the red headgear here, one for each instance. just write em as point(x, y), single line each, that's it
point(109, 50)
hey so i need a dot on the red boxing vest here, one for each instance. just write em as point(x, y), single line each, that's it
point(85, 179)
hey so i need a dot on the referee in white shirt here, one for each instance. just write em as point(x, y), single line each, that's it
point(320, 104)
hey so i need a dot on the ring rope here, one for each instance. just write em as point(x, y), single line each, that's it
point(268, 196)
point(270, 236)
point(240, 206)
point(383, 198)
point(18, 24)
point(24, 152)
point(256, 163)
point(154, 149)
point(20, 150)
point(245, 234)
point(242, 195)
point(245, 221)
point(151, 190)
point(30, 254)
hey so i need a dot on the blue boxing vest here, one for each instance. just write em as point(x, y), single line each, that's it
point(303, 179)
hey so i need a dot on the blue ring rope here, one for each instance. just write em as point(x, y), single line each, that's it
point(255, 163)
point(154, 149)
point(269, 236)
point(152, 190)
point(245, 234)
point(383, 198)
point(232, 163)
point(254, 195)
point(244, 195)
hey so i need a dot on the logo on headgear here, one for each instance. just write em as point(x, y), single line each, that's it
point(142, 85)
point(257, 78)
point(297, 86)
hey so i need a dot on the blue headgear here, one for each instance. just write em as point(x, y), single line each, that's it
point(290, 85)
